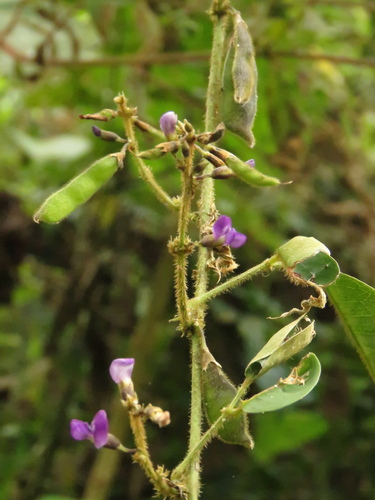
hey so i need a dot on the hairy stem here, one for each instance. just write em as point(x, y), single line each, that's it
point(206, 209)
point(213, 430)
point(265, 266)
point(182, 246)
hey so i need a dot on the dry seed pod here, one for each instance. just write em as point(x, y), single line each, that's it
point(244, 70)
point(239, 83)
point(209, 137)
point(160, 150)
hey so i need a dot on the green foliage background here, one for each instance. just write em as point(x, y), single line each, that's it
point(99, 285)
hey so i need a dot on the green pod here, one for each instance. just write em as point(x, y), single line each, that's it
point(76, 192)
point(218, 392)
point(249, 174)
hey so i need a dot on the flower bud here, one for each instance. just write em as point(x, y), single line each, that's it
point(106, 135)
point(168, 122)
point(158, 416)
point(251, 163)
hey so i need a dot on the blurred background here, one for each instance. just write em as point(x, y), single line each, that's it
point(97, 286)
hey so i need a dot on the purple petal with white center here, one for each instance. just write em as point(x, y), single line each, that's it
point(99, 427)
point(235, 239)
point(121, 369)
point(80, 430)
point(222, 226)
point(168, 122)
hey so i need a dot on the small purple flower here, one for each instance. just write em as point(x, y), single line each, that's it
point(225, 234)
point(97, 431)
point(251, 163)
point(168, 123)
point(121, 370)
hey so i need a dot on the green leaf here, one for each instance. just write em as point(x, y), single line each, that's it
point(274, 343)
point(287, 391)
point(321, 268)
point(289, 348)
point(66, 147)
point(298, 249)
point(218, 392)
point(354, 302)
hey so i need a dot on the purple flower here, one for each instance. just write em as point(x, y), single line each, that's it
point(97, 431)
point(251, 163)
point(225, 234)
point(121, 370)
point(168, 122)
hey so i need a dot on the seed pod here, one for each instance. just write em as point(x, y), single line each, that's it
point(160, 150)
point(240, 83)
point(80, 189)
point(218, 392)
point(214, 160)
point(244, 70)
point(249, 174)
point(219, 152)
point(216, 135)
point(103, 116)
point(199, 167)
point(219, 173)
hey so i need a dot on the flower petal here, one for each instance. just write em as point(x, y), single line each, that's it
point(235, 239)
point(99, 427)
point(121, 369)
point(222, 226)
point(80, 430)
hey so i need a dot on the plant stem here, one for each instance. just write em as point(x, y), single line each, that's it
point(265, 266)
point(206, 209)
point(182, 247)
point(213, 430)
point(144, 171)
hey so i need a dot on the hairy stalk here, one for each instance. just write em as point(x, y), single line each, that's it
point(206, 209)
point(213, 430)
point(142, 457)
point(264, 267)
point(127, 115)
point(182, 246)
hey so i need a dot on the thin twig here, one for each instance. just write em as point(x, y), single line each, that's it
point(17, 13)
point(346, 5)
point(179, 58)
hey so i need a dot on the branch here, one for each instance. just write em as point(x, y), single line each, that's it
point(368, 61)
point(178, 58)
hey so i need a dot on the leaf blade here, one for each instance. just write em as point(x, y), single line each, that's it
point(287, 391)
point(354, 302)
